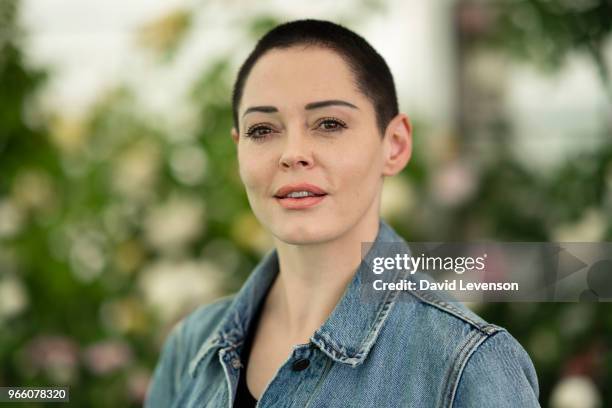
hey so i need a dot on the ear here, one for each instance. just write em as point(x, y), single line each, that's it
point(397, 145)
point(235, 136)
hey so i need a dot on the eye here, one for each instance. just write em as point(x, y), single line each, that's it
point(258, 131)
point(331, 124)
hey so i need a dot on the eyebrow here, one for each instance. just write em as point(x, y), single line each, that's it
point(309, 106)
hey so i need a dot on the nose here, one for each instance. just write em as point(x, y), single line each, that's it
point(296, 152)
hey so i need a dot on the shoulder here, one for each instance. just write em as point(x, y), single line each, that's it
point(182, 343)
point(481, 358)
point(498, 365)
point(439, 308)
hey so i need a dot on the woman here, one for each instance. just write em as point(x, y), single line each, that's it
point(317, 129)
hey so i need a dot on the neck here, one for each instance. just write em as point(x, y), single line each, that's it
point(312, 278)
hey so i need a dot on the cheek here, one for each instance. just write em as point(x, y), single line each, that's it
point(361, 170)
point(254, 169)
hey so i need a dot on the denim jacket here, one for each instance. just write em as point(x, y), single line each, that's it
point(428, 352)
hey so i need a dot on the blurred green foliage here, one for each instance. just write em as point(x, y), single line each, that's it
point(114, 226)
point(544, 32)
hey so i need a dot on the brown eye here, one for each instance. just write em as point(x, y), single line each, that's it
point(258, 131)
point(331, 124)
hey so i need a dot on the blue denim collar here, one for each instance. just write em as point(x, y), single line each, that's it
point(346, 336)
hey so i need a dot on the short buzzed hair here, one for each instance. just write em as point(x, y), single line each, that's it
point(372, 75)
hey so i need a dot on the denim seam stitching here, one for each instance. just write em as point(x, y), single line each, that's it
point(445, 305)
point(209, 345)
point(227, 379)
point(486, 328)
point(333, 349)
point(468, 348)
point(317, 388)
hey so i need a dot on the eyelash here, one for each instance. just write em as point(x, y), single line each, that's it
point(251, 131)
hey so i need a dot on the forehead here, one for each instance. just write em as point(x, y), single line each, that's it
point(299, 75)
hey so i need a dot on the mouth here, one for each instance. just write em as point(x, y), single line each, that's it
point(299, 191)
point(300, 196)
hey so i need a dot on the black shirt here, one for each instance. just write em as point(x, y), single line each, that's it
point(244, 398)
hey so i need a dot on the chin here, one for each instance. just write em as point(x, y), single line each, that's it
point(304, 234)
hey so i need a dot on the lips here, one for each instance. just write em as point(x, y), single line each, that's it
point(304, 196)
point(284, 191)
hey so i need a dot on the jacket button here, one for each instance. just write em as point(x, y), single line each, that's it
point(301, 364)
point(236, 363)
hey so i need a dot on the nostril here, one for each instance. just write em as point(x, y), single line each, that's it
point(289, 163)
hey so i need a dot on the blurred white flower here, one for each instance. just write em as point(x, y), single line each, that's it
point(136, 170)
point(175, 223)
point(454, 183)
point(575, 392)
point(171, 287)
point(13, 297)
point(188, 164)
point(87, 257)
point(11, 219)
point(397, 199)
point(107, 356)
point(590, 228)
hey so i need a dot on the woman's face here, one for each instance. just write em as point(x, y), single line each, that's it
point(305, 129)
